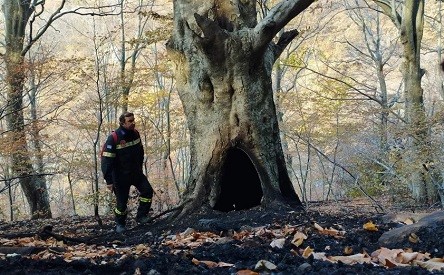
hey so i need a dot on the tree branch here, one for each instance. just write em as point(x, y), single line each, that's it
point(283, 42)
point(276, 19)
point(389, 10)
point(58, 14)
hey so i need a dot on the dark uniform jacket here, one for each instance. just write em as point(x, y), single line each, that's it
point(122, 156)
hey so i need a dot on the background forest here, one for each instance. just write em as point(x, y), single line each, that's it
point(340, 88)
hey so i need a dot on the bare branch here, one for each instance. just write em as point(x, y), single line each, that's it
point(91, 11)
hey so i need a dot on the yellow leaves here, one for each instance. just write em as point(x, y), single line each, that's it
point(370, 226)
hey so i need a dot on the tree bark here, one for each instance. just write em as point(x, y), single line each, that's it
point(223, 63)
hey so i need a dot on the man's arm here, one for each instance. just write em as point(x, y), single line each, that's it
point(108, 157)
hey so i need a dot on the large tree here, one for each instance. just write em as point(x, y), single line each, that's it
point(224, 59)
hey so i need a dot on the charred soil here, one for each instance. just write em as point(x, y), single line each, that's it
point(254, 241)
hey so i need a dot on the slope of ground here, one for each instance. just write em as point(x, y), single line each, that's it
point(325, 238)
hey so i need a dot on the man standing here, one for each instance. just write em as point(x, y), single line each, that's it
point(122, 162)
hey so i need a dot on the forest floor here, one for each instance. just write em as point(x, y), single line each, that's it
point(325, 238)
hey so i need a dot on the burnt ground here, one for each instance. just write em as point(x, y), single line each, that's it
point(206, 243)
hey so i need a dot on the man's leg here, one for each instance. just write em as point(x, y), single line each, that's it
point(146, 195)
point(121, 190)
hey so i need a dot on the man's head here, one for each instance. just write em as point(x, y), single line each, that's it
point(126, 120)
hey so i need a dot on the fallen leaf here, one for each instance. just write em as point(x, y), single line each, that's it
point(195, 261)
point(246, 272)
point(265, 265)
point(407, 257)
point(352, 259)
point(279, 243)
point(370, 226)
point(348, 250)
point(298, 238)
point(318, 227)
point(222, 264)
point(432, 264)
point(409, 221)
point(210, 264)
point(386, 256)
point(307, 252)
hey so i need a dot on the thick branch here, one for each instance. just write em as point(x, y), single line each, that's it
point(276, 19)
point(283, 42)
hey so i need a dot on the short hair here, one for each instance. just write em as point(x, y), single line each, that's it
point(123, 116)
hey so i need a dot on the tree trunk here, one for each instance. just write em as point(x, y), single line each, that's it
point(423, 175)
point(223, 68)
point(424, 178)
point(17, 14)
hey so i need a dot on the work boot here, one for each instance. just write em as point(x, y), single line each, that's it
point(142, 211)
point(142, 219)
point(120, 228)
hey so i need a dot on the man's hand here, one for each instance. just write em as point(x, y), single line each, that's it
point(110, 187)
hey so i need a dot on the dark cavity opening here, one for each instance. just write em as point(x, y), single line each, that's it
point(240, 183)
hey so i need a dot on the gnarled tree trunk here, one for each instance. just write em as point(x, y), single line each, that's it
point(224, 59)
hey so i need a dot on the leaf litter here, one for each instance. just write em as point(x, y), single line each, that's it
point(252, 241)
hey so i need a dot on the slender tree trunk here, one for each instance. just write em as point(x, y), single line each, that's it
point(439, 48)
